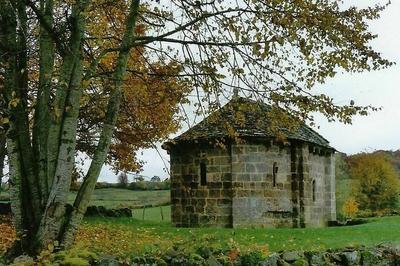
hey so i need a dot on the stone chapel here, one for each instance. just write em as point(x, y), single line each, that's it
point(252, 179)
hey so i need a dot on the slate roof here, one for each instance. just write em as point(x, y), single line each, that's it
point(248, 118)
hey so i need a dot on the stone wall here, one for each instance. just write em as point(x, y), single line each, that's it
point(382, 255)
point(257, 199)
point(242, 189)
point(319, 200)
point(330, 188)
point(360, 256)
point(196, 205)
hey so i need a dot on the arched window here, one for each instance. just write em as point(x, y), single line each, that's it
point(274, 173)
point(313, 190)
point(203, 173)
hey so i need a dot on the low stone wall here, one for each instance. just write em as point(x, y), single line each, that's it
point(104, 212)
point(380, 255)
point(362, 256)
point(374, 256)
point(5, 209)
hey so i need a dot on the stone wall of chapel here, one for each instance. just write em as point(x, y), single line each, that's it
point(192, 203)
point(256, 200)
point(240, 190)
point(319, 199)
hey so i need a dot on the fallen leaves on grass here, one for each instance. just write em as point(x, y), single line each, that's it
point(7, 233)
point(127, 240)
point(120, 240)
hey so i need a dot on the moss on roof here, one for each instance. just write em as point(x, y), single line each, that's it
point(246, 118)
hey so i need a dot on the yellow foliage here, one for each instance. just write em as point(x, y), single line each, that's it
point(150, 95)
point(375, 181)
point(350, 208)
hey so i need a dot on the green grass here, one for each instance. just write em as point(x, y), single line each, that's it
point(147, 236)
point(121, 198)
point(158, 214)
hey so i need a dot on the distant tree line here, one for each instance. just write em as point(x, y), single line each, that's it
point(139, 185)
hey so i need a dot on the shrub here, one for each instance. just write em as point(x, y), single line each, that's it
point(104, 185)
point(252, 258)
point(139, 185)
point(149, 185)
point(75, 256)
point(350, 208)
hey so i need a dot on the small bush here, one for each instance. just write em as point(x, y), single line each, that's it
point(149, 185)
point(139, 185)
point(252, 258)
point(350, 208)
point(105, 185)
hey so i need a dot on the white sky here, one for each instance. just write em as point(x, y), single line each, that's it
point(381, 130)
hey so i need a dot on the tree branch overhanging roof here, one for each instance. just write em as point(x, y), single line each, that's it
point(245, 118)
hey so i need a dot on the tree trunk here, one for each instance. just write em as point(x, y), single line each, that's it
point(41, 126)
point(84, 194)
point(3, 152)
point(21, 204)
point(53, 217)
point(21, 111)
point(68, 101)
point(41, 162)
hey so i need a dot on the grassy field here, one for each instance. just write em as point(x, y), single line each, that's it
point(120, 198)
point(126, 236)
point(155, 214)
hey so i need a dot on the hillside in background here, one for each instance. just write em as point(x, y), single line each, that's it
point(343, 178)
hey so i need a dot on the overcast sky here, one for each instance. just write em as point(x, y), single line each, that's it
point(380, 130)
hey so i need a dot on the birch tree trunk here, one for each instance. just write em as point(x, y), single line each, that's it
point(63, 147)
point(42, 110)
point(41, 164)
point(21, 205)
point(84, 194)
point(3, 153)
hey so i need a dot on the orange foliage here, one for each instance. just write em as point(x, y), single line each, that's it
point(233, 255)
point(350, 208)
point(7, 233)
point(151, 91)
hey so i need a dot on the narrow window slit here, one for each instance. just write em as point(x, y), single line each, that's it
point(274, 173)
point(313, 190)
point(203, 173)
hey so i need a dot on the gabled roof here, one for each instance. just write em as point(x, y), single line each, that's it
point(247, 118)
